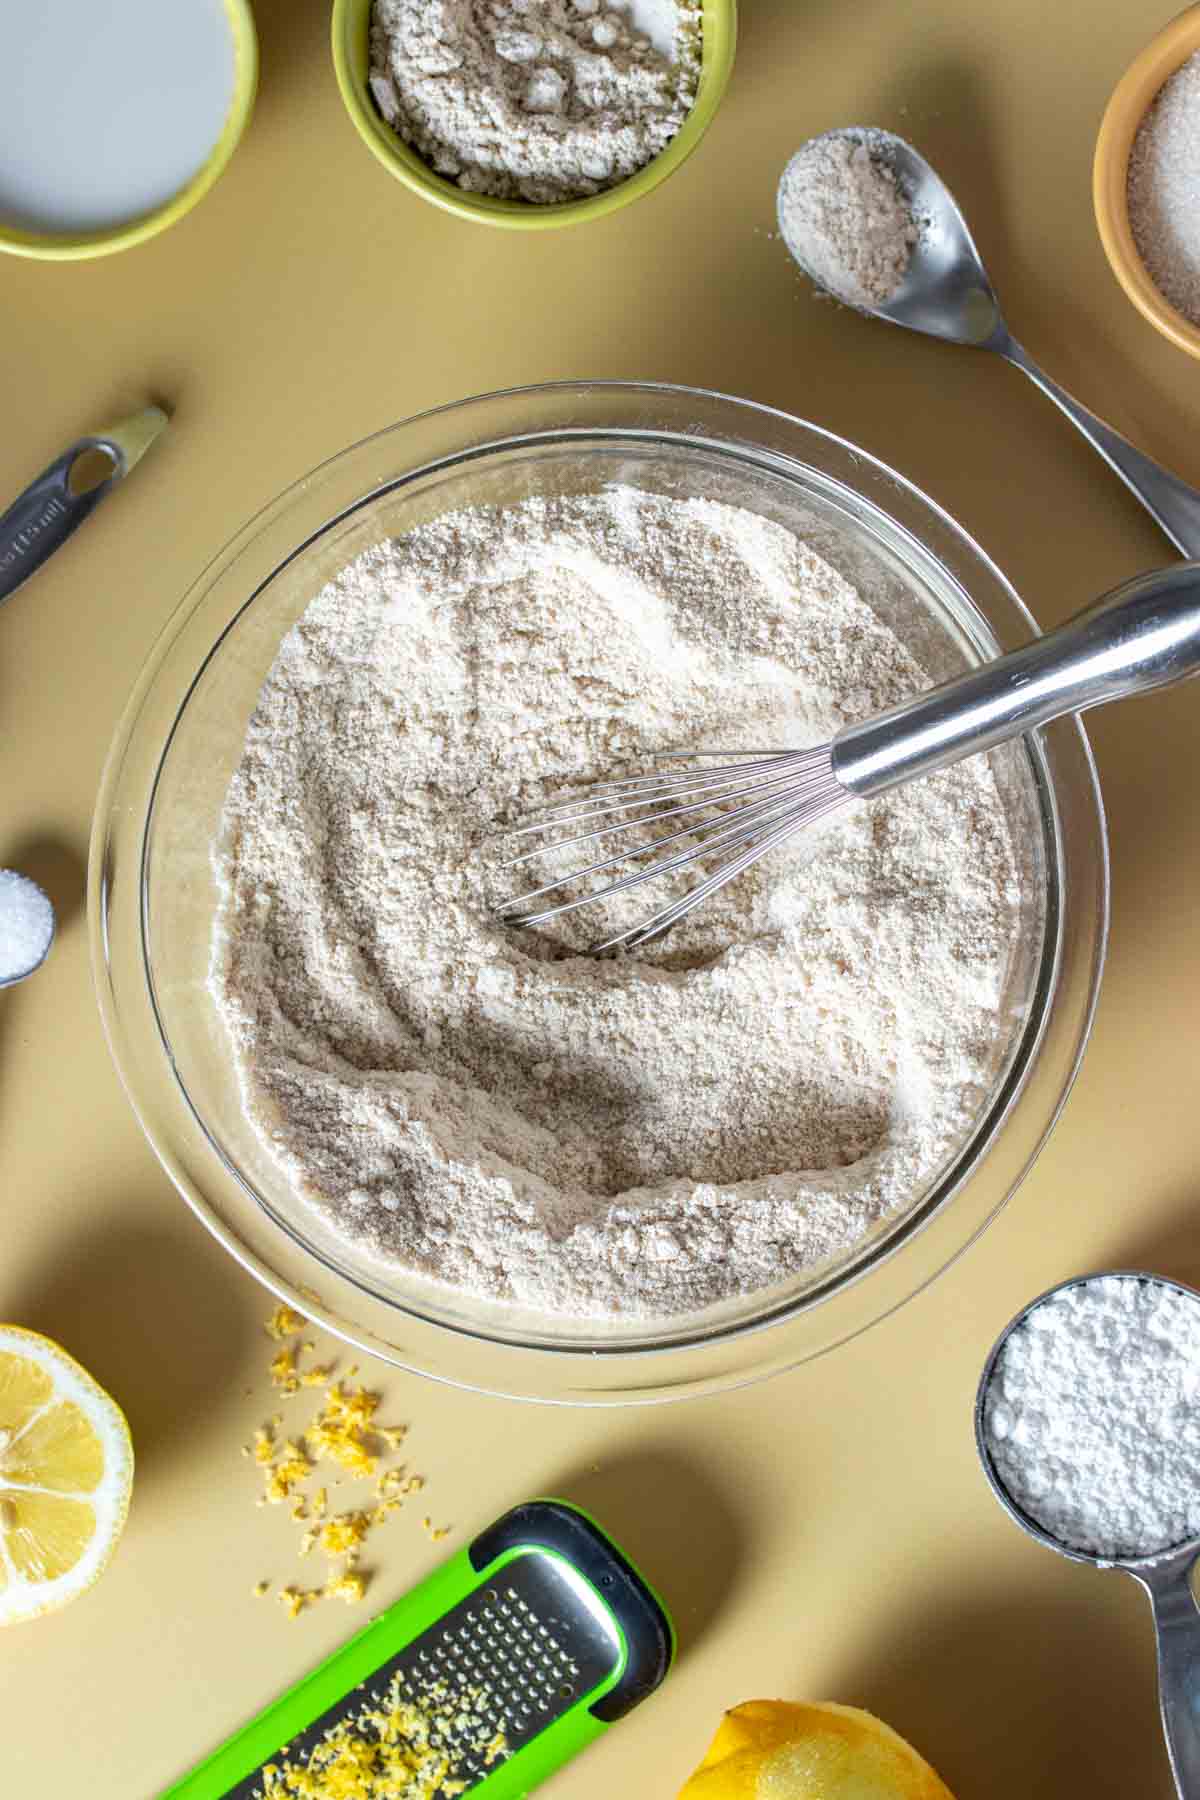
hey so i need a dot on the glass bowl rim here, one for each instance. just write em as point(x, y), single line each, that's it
point(581, 1382)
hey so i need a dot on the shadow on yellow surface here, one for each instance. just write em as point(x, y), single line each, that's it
point(661, 1507)
point(150, 1311)
point(1021, 1691)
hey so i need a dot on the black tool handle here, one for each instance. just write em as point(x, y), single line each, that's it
point(64, 495)
point(46, 514)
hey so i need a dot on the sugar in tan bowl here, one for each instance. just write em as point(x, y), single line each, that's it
point(351, 24)
point(1131, 100)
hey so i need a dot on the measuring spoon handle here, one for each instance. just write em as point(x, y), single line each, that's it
point(1171, 503)
point(1177, 1624)
point(41, 519)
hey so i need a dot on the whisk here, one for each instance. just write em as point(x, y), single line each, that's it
point(742, 804)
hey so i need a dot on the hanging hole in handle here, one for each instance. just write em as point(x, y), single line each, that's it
point(91, 469)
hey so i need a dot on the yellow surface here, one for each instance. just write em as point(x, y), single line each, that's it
point(828, 1534)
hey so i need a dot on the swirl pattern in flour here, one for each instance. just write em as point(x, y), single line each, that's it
point(490, 1108)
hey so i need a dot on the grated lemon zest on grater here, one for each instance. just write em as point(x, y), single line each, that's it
point(391, 1749)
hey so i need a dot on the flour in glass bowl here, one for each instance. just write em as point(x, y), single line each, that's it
point(727, 1108)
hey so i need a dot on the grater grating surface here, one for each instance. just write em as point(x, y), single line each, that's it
point(517, 1654)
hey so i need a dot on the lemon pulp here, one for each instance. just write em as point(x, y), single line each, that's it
point(66, 1466)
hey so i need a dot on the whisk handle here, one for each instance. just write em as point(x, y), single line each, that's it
point(1143, 635)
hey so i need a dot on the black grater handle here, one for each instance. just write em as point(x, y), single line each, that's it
point(556, 1525)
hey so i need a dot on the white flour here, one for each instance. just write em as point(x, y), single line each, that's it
point(844, 219)
point(543, 100)
point(1092, 1421)
point(735, 1104)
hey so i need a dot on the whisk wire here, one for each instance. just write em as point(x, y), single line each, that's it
point(758, 801)
point(799, 819)
point(789, 782)
point(644, 790)
point(750, 763)
point(744, 821)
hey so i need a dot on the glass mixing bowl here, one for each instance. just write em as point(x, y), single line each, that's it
point(153, 894)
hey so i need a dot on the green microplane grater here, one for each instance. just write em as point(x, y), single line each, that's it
point(542, 1615)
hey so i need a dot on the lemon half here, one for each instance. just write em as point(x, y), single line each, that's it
point(66, 1468)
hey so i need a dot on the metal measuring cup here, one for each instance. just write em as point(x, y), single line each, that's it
point(1166, 1575)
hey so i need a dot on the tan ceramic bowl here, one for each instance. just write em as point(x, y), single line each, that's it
point(1130, 102)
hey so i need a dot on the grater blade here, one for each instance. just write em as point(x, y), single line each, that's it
point(509, 1659)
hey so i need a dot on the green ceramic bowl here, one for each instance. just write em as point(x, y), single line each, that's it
point(76, 246)
point(351, 21)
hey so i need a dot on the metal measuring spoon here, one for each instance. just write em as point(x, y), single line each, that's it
point(1166, 1575)
point(26, 927)
point(946, 293)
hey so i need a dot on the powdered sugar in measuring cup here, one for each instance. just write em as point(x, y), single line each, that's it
point(1088, 1431)
point(26, 927)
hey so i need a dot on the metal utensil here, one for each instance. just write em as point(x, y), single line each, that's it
point(522, 1649)
point(1166, 1578)
point(18, 892)
point(67, 492)
point(1143, 635)
point(946, 293)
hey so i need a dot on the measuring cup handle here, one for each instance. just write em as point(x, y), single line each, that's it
point(1177, 1624)
point(1171, 503)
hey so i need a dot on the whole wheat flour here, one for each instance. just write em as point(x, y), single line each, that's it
point(483, 1105)
point(542, 100)
point(845, 220)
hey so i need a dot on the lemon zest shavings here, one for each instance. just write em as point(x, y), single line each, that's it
point(283, 1371)
point(284, 1322)
point(296, 1600)
point(344, 1533)
point(316, 1376)
point(294, 1466)
point(349, 1586)
point(394, 1748)
point(344, 1432)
